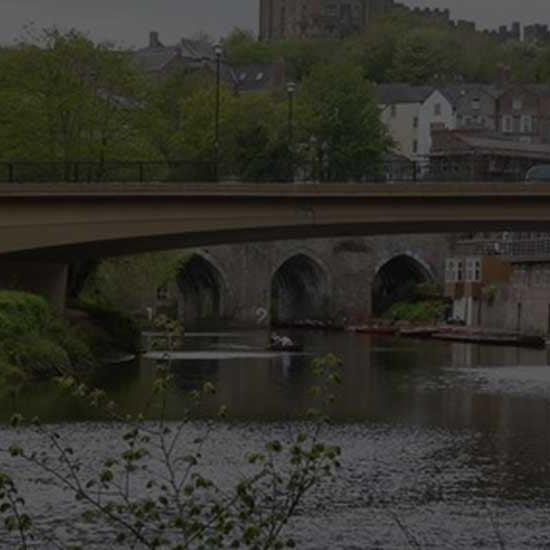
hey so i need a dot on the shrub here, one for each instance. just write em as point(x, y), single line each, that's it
point(426, 311)
point(41, 357)
point(35, 341)
point(21, 313)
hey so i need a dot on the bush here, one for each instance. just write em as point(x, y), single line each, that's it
point(35, 341)
point(21, 313)
point(425, 311)
point(41, 357)
point(10, 374)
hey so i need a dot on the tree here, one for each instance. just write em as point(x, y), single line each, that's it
point(425, 55)
point(129, 283)
point(150, 493)
point(339, 118)
point(242, 48)
point(66, 98)
point(250, 131)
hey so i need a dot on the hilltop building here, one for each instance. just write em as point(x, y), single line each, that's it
point(280, 19)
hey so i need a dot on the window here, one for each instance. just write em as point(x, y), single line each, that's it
point(415, 146)
point(507, 124)
point(415, 122)
point(469, 270)
point(517, 104)
point(476, 104)
point(437, 109)
point(526, 124)
point(260, 76)
point(450, 271)
point(477, 270)
point(459, 270)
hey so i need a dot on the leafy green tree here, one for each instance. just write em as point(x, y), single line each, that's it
point(301, 55)
point(241, 47)
point(66, 98)
point(338, 118)
point(129, 283)
point(423, 56)
point(250, 130)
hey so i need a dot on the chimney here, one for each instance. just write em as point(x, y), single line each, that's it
point(154, 41)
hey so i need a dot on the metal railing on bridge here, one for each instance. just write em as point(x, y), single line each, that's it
point(518, 247)
point(255, 170)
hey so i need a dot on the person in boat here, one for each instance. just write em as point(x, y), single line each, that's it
point(281, 341)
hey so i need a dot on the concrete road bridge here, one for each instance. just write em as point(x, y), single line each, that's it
point(44, 227)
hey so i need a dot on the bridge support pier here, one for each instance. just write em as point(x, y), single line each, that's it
point(46, 279)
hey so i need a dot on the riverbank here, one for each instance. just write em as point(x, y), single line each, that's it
point(451, 333)
point(38, 342)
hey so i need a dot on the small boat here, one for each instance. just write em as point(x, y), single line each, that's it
point(495, 339)
point(283, 344)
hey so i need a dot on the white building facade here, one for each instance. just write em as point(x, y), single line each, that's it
point(410, 112)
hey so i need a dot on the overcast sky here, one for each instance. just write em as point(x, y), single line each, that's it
point(129, 21)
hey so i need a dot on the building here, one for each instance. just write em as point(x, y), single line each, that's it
point(475, 105)
point(315, 18)
point(159, 61)
point(411, 113)
point(469, 282)
point(486, 158)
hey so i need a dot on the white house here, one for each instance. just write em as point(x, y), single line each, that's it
point(410, 112)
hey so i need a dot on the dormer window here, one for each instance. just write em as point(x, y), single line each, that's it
point(242, 76)
point(260, 76)
point(517, 104)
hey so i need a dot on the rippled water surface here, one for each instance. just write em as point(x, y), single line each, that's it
point(445, 445)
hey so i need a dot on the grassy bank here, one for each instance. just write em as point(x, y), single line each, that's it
point(37, 342)
point(425, 311)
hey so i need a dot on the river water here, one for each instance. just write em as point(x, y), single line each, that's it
point(445, 445)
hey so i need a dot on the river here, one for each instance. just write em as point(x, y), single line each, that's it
point(450, 439)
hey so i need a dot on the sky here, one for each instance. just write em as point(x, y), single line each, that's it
point(128, 22)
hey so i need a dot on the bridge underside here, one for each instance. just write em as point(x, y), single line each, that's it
point(54, 225)
point(66, 223)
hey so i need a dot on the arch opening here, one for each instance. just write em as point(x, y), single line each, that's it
point(299, 291)
point(396, 281)
point(202, 290)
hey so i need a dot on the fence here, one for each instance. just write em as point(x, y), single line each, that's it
point(513, 248)
point(255, 170)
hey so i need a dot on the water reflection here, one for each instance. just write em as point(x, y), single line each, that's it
point(443, 433)
point(403, 381)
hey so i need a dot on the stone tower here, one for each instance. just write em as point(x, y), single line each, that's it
point(317, 18)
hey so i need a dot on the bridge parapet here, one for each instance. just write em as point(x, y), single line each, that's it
point(258, 171)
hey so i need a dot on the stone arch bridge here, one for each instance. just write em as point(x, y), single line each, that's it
point(287, 281)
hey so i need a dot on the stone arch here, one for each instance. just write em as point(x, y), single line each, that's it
point(395, 278)
point(300, 288)
point(203, 290)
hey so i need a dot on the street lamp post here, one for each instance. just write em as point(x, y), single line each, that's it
point(218, 53)
point(291, 89)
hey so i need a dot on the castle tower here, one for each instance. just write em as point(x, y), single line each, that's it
point(281, 19)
